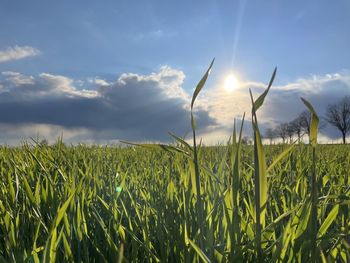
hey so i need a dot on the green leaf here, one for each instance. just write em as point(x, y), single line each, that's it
point(260, 174)
point(261, 165)
point(121, 253)
point(259, 102)
point(302, 218)
point(28, 190)
point(50, 251)
point(61, 212)
point(13, 234)
point(328, 221)
point(67, 249)
point(121, 233)
point(36, 236)
point(280, 157)
point(193, 122)
point(201, 84)
point(181, 141)
point(313, 124)
point(286, 238)
point(11, 188)
point(106, 206)
point(199, 252)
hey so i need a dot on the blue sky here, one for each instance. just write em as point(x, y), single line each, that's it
point(85, 41)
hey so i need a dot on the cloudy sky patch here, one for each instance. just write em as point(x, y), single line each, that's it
point(17, 53)
point(147, 107)
point(127, 69)
point(137, 107)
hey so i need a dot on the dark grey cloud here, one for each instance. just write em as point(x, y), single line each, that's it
point(134, 107)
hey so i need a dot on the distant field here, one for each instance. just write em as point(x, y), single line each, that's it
point(94, 204)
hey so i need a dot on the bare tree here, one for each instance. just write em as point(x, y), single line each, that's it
point(290, 130)
point(281, 131)
point(297, 127)
point(338, 115)
point(304, 120)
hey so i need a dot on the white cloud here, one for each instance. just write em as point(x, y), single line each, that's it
point(61, 85)
point(101, 82)
point(45, 85)
point(17, 52)
point(18, 79)
point(283, 102)
point(146, 107)
point(169, 81)
point(98, 81)
point(134, 107)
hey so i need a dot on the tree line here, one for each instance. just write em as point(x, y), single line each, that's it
point(337, 115)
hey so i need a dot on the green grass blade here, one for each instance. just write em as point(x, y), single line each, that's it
point(314, 191)
point(181, 141)
point(61, 212)
point(28, 190)
point(328, 221)
point(313, 124)
point(199, 252)
point(260, 100)
point(281, 156)
point(11, 188)
point(201, 84)
point(260, 174)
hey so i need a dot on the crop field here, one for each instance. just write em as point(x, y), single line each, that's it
point(88, 204)
point(177, 203)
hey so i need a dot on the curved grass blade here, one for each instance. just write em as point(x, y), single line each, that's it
point(328, 221)
point(201, 83)
point(28, 190)
point(181, 141)
point(259, 101)
point(313, 124)
point(260, 174)
point(199, 252)
point(281, 156)
point(314, 191)
point(199, 205)
point(61, 212)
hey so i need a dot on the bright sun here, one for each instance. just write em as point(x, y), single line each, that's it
point(231, 83)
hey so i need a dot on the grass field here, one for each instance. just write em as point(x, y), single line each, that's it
point(177, 203)
point(65, 203)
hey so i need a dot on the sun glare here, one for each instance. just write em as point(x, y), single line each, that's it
point(231, 83)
